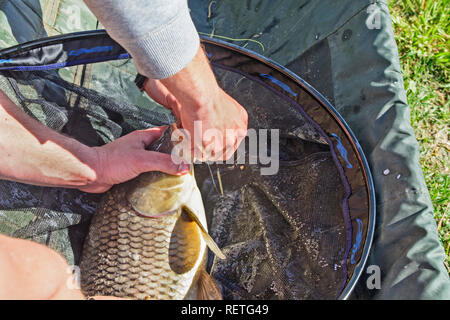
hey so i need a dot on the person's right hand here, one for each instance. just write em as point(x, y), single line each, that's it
point(194, 95)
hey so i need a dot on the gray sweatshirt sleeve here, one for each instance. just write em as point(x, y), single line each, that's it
point(158, 34)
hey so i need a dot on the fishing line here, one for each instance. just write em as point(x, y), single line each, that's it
point(233, 39)
point(212, 177)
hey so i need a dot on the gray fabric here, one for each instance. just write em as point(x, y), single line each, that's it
point(159, 34)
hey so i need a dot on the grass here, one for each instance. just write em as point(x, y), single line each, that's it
point(422, 33)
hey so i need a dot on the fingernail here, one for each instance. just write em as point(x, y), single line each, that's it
point(183, 168)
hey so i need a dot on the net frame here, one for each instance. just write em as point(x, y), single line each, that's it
point(346, 151)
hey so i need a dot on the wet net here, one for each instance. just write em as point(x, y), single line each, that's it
point(300, 231)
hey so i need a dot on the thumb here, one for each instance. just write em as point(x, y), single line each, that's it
point(147, 136)
point(159, 93)
point(157, 161)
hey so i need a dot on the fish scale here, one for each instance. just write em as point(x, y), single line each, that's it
point(126, 254)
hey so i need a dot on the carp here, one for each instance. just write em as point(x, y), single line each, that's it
point(148, 239)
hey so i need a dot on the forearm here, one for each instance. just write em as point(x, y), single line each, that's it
point(159, 34)
point(163, 41)
point(195, 84)
point(34, 154)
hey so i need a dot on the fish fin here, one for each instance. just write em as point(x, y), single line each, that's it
point(209, 241)
point(207, 287)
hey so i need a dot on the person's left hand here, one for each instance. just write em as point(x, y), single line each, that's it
point(127, 157)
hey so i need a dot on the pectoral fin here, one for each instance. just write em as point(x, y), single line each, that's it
point(209, 241)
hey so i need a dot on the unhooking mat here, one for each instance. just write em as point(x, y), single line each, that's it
point(345, 50)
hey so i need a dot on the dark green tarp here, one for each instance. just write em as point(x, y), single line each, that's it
point(345, 49)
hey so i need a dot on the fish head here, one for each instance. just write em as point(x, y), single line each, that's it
point(157, 194)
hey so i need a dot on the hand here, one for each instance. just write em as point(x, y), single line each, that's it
point(193, 94)
point(31, 271)
point(126, 158)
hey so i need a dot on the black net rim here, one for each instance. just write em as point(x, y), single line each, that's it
point(24, 56)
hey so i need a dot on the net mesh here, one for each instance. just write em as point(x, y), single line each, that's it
point(283, 234)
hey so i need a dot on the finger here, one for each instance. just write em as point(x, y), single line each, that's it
point(228, 153)
point(209, 151)
point(156, 161)
point(230, 143)
point(156, 90)
point(216, 152)
point(147, 136)
point(175, 106)
point(214, 146)
point(159, 92)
